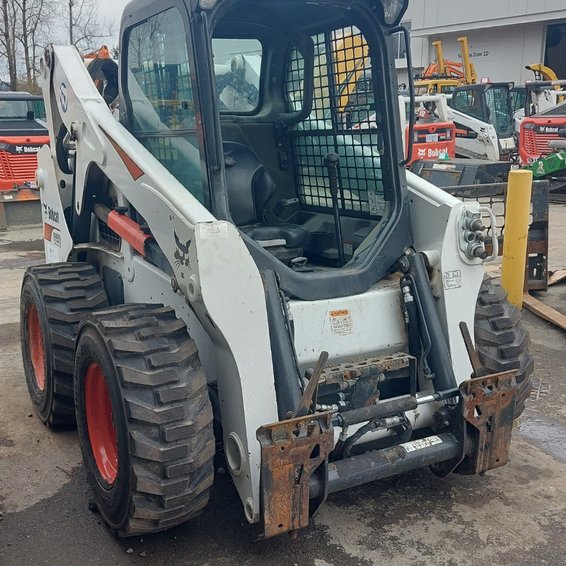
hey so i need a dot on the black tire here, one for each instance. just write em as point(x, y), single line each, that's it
point(53, 301)
point(161, 414)
point(501, 340)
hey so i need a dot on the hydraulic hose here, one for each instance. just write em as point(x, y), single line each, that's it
point(287, 379)
point(438, 357)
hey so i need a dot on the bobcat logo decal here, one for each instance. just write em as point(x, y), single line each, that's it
point(181, 254)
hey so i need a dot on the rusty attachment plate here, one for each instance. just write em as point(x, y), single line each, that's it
point(488, 408)
point(366, 367)
point(291, 451)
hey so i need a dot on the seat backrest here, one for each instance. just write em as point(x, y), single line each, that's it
point(249, 184)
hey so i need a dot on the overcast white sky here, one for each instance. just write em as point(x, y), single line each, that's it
point(112, 10)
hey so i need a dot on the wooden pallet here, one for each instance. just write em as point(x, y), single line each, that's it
point(544, 311)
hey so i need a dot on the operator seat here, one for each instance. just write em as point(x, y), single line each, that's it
point(249, 187)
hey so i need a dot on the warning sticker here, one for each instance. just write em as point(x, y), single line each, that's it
point(452, 279)
point(421, 443)
point(376, 204)
point(341, 322)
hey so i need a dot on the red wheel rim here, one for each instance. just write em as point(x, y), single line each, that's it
point(101, 430)
point(36, 347)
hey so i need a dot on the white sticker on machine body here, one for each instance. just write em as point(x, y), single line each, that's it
point(427, 442)
point(452, 279)
point(341, 323)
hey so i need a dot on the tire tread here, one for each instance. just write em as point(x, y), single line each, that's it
point(69, 291)
point(168, 415)
point(501, 340)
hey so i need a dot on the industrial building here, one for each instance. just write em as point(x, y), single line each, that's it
point(504, 36)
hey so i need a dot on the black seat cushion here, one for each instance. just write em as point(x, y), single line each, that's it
point(249, 184)
point(294, 236)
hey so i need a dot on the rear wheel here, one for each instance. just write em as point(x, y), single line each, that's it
point(501, 340)
point(144, 418)
point(54, 299)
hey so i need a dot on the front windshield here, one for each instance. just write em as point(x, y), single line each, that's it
point(39, 109)
point(160, 95)
point(421, 90)
point(498, 100)
point(433, 87)
point(447, 89)
point(519, 99)
point(559, 110)
point(13, 110)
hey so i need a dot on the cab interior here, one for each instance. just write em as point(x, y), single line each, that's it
point(285, 93)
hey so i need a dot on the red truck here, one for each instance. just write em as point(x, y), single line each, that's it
point(537, 131)
point(545, 116)
point(22, 133)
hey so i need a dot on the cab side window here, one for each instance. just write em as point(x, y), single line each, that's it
point(162, 100)
point(468, 102)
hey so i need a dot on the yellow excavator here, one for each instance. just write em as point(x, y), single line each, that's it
point(443, 76)
point(350, 54)
point(440, 77)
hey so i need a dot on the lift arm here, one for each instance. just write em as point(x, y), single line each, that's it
point(470, 75)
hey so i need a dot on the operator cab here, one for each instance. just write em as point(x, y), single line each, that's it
point(253, 139)
point(492, 103)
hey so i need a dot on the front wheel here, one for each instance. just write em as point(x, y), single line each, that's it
point(144, 418)
point(501, 340)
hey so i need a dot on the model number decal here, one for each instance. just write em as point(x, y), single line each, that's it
point(50, 214)
point(421, 443)
point(452, 279)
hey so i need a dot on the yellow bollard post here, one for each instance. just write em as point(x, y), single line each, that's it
point(517, 212)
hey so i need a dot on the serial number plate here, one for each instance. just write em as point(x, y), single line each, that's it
point(415, 445)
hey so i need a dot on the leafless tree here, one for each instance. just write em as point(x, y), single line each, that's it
point(8, 40)
point(26, 26)
point(143, 38)
point(34, 19)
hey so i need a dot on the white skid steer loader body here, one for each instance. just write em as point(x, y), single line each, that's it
point(486, 145)
point(218, 289)
point(219, 273)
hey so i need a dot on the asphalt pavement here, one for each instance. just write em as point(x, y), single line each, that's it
point(513, 515)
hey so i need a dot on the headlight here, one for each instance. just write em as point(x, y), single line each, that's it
point(393, 11)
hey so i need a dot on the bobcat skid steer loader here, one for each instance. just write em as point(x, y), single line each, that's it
point(229, 266)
